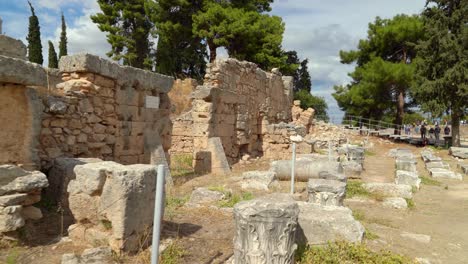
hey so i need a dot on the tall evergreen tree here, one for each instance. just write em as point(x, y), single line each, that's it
point(128, 27)
point(179, 52)
point(63, 39)
point(244, 29)
point(384, 70)
point(53, 62)
point(34, 38)
point(303, 77)
point(442, 83)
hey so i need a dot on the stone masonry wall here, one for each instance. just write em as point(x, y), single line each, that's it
point(106, 111)
point(236, 103)
point(92, 108)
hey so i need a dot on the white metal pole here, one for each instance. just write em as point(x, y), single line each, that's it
point(293, 165)
point(158, 206)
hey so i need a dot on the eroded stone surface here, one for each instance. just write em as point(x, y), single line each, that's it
point(319, 225)
point(444, 173)
point(266, 230)
point(389, 189)
point(259, 180)
point(395, 203)
point(201, 196)
point(326, 192)
point(408, 178)
point(459, 152)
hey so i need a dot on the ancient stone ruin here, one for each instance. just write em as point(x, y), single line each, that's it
point(247, 108)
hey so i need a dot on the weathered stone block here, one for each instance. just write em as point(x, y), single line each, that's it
point(389, 189)
point(408, 178)
point(326, 192)
point(266, 230)
point(319, 224)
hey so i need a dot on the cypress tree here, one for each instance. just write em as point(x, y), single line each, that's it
point(63, 39)
point(34, 38)
point(53, 62)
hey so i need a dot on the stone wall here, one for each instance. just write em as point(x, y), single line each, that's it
point(12, 47)
point(92, 108)
point(236, 103)
point(180, 95)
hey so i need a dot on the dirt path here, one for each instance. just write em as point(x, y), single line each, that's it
point(440, 212)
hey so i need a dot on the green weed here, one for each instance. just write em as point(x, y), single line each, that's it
point(173, 254)
point(428, 181)
point(232, 199)
point(354, 188)
point(410, 203)
point(343, 252)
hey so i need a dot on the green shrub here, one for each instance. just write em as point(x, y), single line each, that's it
point(354, 188)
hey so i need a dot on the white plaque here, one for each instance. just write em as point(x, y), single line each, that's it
point(152, 102)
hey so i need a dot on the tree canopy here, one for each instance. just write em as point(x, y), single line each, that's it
point(384, 70)
point(442, 64)
point(179, 53)
point(128, 28)
point(34, 38)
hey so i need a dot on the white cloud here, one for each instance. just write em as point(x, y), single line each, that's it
point(318, 30)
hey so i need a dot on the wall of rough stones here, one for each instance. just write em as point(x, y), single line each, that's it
point(91, 108)
point(236, 103)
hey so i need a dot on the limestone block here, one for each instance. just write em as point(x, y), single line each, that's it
point(389, 189)
point(404, 154)
point(319, 224)
point(407, 177)
point(123, 75)
point(219, 163)
point(61, 173)
point(11, 47)
point(202, 196)
point(127, 200)
point(90, 177)
point(83, 207)
point(437, 164)
point(18, 180)
point(82, 234)
point(55, 105)
point(395, 203)
point(266, 230)
point(444, 173)
point(259, 180)
point(97, 255)
point(31, 212)
point(12, 199)
point(10, 218)
point(326, 192)
point(351, 169)
point(406, 165)
point(459, 152)
point(22, 72)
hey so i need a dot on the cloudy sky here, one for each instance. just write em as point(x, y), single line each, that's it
point(316, 29)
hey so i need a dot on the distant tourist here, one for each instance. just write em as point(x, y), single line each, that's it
point(431, 132)
point(447, 130)
point(437, 132)
point(423, 132)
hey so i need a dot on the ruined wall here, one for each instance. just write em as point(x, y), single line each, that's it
point(12, 47)
point(97, 109)
point(180, 95)
point(236, 103)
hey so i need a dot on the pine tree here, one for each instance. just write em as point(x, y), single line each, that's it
point(53, 62)
point(34, 38)
point(128, 27)
point(244, 29)
point(179, 52)
point(63, 39)
point(442, 83)
point(384, 71)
